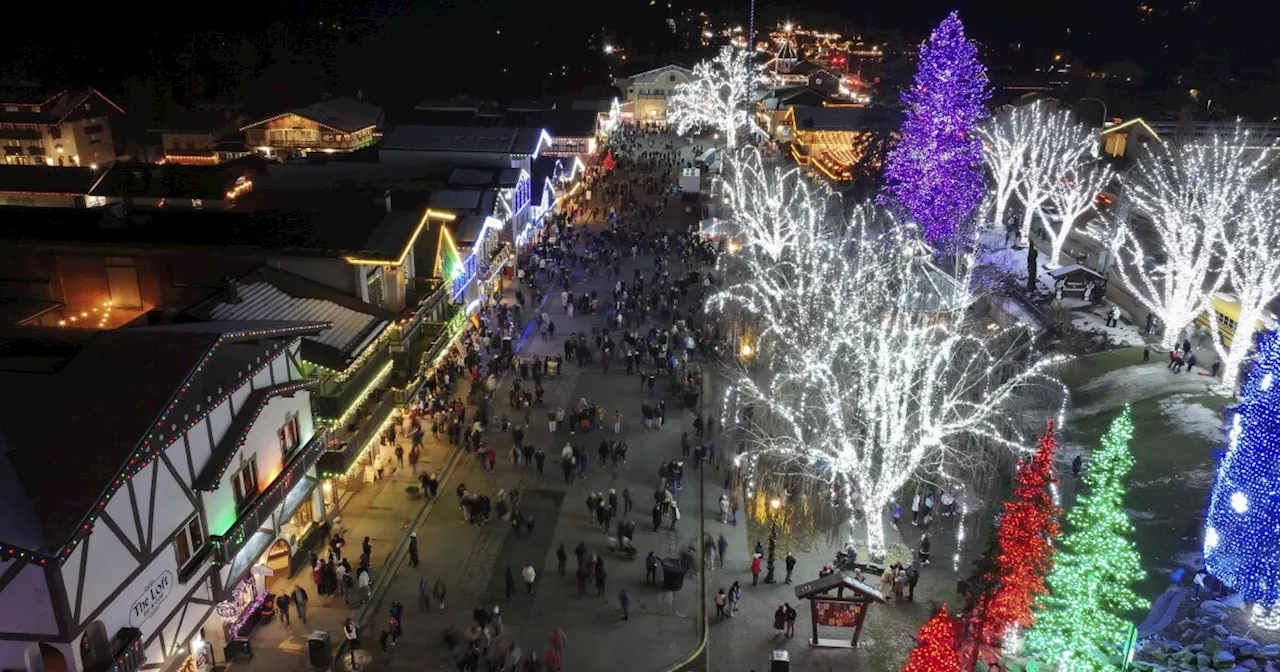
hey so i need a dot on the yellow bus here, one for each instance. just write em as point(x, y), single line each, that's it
point(1228, 309)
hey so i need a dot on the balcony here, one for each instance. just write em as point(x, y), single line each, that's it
point(338, 401)
point(335, 463)
point(258, 513)
point(127, 654)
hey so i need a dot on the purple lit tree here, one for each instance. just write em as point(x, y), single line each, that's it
point(934, 174)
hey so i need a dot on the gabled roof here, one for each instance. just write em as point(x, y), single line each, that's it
point(343, 115)
point(272, 294)
point(90, 400)
point(650, 76)
point(788, 51)
point(50, 180)
point(55, 109)
point(570, 123)
point(839, 118)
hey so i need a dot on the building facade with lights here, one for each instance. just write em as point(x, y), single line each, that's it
point(331, 126)
point(64, 128)
point(647, 94)
point(148, 513)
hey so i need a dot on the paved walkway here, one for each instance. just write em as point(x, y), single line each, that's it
point(473, 560)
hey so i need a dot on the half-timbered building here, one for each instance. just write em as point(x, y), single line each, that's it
point(152, 479)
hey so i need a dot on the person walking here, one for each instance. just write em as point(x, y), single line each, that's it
point(755, 569)
point(282, 606)
point(561, 558)
point(779, 621)
point(650, 568)
point(438, 593)
point(352, 635)
point(413, 550)
point(790, 616)
point(735, 598)
point(624, 600)
point(529, 577)
point(300, 599)
point(722, 601)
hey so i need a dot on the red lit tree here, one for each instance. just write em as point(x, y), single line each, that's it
point(1024, 538)
point(936, 645)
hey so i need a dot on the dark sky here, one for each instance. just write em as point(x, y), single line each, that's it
point(455, 44)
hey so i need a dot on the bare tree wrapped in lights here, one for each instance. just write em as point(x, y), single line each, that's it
point(718, 96)
point(874, 376)
point(1006, 143)
point(1190, 191)
point(1059, 168)
point(1253, 271)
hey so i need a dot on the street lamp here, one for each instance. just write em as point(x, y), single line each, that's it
point(746, 350)
point(774, 505)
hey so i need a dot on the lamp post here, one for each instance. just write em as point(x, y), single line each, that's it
point(774, 505)
point(1101, 102)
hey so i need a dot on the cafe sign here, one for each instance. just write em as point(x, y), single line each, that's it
point(152, 598)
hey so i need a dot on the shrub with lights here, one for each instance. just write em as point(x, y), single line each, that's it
point(1080, 624)
point(1242, 534)
point(936, 645)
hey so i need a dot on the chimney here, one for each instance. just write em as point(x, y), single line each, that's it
point(386, 196)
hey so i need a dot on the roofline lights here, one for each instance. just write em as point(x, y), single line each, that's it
point(422, 223)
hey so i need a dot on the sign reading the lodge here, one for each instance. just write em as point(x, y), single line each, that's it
point(153, 596)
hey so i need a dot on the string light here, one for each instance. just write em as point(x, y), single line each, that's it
point(1242, 534)
point(935, 171)
point(936, 645)
point(874, 373)
point(1190, 192)
point(717, 96)
point(1025, 535)
point(364, 393)
point(247, 423)
point(1080, 623)
point(1253, 270)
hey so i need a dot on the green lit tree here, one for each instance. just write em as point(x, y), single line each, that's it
point(1080, 624)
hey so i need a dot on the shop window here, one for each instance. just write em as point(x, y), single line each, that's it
point(190, 541)
point(289, 434)
point(305, 516)
point(245, 482)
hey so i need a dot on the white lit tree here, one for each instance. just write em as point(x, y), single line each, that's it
point(1253, 272)
point(1073, 197)
point(718, 96)
point(1059, 142)
point(871, 374)
point(1189, 191)
point(1006, 140)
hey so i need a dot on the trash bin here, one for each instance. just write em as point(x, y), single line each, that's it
point(319, 649)
point(673, 571)
point(781, 661)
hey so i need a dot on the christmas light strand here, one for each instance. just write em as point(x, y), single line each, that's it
point(717, 96)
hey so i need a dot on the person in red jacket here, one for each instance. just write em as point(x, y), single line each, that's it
point(755, 570)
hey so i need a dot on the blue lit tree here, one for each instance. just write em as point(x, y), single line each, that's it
point(934, 174)
point(1242, 534)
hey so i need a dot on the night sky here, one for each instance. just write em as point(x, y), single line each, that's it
point(399, 51)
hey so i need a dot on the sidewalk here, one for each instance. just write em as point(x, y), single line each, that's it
point(382, 511)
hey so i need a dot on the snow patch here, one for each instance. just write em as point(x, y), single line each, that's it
point(1131, 384)
point(1122, 335)
point(1141, 516)
point(1193, 480)
point(1194, 419)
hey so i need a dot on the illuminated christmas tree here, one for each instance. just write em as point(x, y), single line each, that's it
point(1080, 624)
point(1025, 537)
point(935, 172)
point(1242, 533)
point(936, 645)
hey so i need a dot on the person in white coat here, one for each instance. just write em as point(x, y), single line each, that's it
point(915, 510)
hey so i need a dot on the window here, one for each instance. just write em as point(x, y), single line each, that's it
point(289, 434)
point(373, 284)
point(197, 203)
point(671, 78)
point(189, 541)
point(245, 482)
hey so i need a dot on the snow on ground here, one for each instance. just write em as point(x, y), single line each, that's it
point(998, 259)
point(1122, 335)
point(1129, 384)
point(1194, 419)
point(1193, 480)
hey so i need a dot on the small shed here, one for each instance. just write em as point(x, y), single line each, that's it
point(839, 610)
point(1077, 282)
